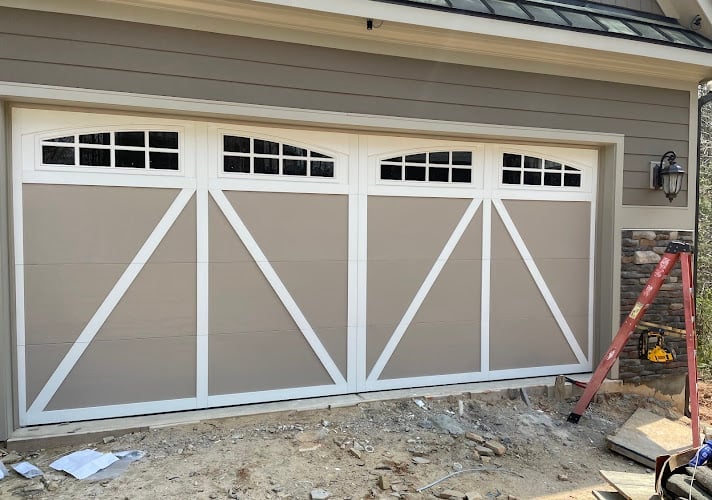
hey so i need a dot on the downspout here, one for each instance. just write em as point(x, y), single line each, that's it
point(701, 103)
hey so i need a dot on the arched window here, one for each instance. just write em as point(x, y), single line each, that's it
point(434, 167)
point(249, 155)
point(519, 169)
point(134, 149)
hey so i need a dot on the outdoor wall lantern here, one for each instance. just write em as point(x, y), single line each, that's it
point(667, 175)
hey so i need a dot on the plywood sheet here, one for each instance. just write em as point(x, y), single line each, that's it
point(607, 495)
point(645, 436)
point(631, 485)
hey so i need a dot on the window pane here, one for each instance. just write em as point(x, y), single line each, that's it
point(440, 157)
point(102, 138)
point(295, 167)
point(552, 179)
point(266, 147)
point(462, 158)
point(163, 161)
point(531, 162)
point(511, 177)
point(130, 159)
point(512, 161)
point(572, 180)
point(69, 138)
point(532, 178)
point(236, 144)
point(293, 150)
point(166, 140)
point(552, 165)
point(392, 172)
point(508, 9)
point(236, 164)
point(414, 173)
point(572, 169)
point(419, 158)
point(266, 165)
point(439, 174)
point(95, 157)
point(129, 139)
point(396, 159)
point(461, 175)
point(322, 169)
point(52, 155)
point(314, 154)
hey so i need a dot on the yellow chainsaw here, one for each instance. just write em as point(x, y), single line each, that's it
point(652, 346)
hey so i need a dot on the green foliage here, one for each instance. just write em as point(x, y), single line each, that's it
point(704, 243)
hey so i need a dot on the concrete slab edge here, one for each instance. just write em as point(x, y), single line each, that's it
point(67, 434)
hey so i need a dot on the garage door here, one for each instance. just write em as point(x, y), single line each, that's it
point(165, 265)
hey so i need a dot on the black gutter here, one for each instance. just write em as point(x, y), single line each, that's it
point(701, 103)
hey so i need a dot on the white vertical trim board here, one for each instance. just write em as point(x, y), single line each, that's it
point(539, 280)
point(362, 183)
point(276, 283)
point(110, 302)
point(486, 285)
point(202, 266)
point(352, 322)
point(424, 289)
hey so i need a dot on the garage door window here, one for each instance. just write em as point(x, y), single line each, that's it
point(519, 169)
point(436, 167)
point(249, 155)
point(134, 149)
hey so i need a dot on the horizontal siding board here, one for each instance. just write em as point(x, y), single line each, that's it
point(189, 87)
point(118, 33)
point(248, 72)
point(74, 51)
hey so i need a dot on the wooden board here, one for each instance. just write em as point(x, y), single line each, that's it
point(633, 486)
point(607, 495)
point(645, 436)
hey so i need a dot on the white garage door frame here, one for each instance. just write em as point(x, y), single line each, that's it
point(201, 140)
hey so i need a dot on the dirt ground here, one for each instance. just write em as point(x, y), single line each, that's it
point(373, 450)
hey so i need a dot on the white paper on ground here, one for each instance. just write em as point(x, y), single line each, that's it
point(117, 468)
point(3, 470)
point(27, 470)
point(83, 463)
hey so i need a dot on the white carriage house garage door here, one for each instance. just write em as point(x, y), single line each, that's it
point(165, 265)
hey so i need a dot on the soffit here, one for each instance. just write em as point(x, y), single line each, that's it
point(404, 32)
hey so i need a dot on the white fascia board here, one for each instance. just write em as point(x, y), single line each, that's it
point(450, 21)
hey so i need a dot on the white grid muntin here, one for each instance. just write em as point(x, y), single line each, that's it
point(329, 157)
point(450, 166)
point(583, 171)
point(76, 145)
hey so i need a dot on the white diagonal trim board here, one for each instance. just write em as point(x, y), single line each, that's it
point(539, 280)
point(424, 289)
point(276, 283)
point(110, 302)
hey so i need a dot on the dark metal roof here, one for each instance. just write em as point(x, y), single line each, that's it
point(577, 15)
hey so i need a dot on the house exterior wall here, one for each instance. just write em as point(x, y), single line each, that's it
point(74, 51)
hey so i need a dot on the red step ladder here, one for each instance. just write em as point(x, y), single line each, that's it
point(675, 251)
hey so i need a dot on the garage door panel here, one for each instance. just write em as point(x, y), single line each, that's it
point(179, 245)
point(260, 361)
point(89, 224)
point(295, 226)
point(455, 295)
point(129, 371)
point(41, 361)
point(470, 245)
point(60, 299)
point(160, 303)
point(391, 288)
point(435, 349)
point(401, 227)
point(526, 342)
point(553, 229)
point(242, 300)
point(224, 245)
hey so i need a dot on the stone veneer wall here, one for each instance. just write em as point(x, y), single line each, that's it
point(641, 251)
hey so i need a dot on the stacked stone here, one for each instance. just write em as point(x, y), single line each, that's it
point(641, 252)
